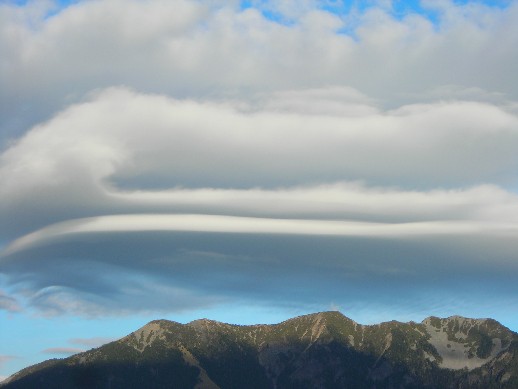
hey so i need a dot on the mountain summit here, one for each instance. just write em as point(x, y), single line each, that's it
point(322, 350)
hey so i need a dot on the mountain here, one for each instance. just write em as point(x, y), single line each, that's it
point(322, 350)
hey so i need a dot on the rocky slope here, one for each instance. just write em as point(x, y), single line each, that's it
point(323, 350)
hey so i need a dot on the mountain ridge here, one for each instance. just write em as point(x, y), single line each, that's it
point(319, 350)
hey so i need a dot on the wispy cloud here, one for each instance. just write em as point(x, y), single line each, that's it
point(9, 303)
point(91, 342)
point(62, 350)
point(4, 359)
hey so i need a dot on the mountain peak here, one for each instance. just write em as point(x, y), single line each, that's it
point(324, 349)
point(203, 322)
point(464, 343)
point(324, 315)
point(207, 324)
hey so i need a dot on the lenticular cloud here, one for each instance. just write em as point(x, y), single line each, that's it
point(178, 155)
point(198, 184)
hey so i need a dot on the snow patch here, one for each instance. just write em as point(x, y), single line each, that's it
point(455, 355)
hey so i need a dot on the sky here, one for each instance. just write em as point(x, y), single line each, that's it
point(251, 161)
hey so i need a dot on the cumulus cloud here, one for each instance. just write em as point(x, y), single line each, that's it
point(217, 49)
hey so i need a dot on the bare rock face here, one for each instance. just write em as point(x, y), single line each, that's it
point(323, 350)
point(466, 343)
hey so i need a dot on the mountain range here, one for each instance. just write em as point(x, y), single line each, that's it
point(321, 350)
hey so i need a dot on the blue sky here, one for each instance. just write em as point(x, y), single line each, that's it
point(252, 161)
point(398, 8)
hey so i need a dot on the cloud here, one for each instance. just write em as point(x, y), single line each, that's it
point(62, 350)
point(246, 225)
point(173, 263)
point(140, 202)
point(86, 342)
point(91, 342)
point(91, 160)
point(4, 360)
point(208, 49)
point(118, 273)
point(167, 156)
point(9, 303)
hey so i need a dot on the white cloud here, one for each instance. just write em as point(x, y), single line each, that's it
point(247, 225)
point(202, 49)
point(125, 152)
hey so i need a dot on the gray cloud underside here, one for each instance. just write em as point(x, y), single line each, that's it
point(170, 271)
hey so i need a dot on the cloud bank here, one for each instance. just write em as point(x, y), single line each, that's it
point(178, 197)
point(219, 50)
point(170, 156)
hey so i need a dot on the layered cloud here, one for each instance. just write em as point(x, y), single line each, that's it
point(175, 155)
point(140, 202)
point(129, 153)
point(91, 342)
